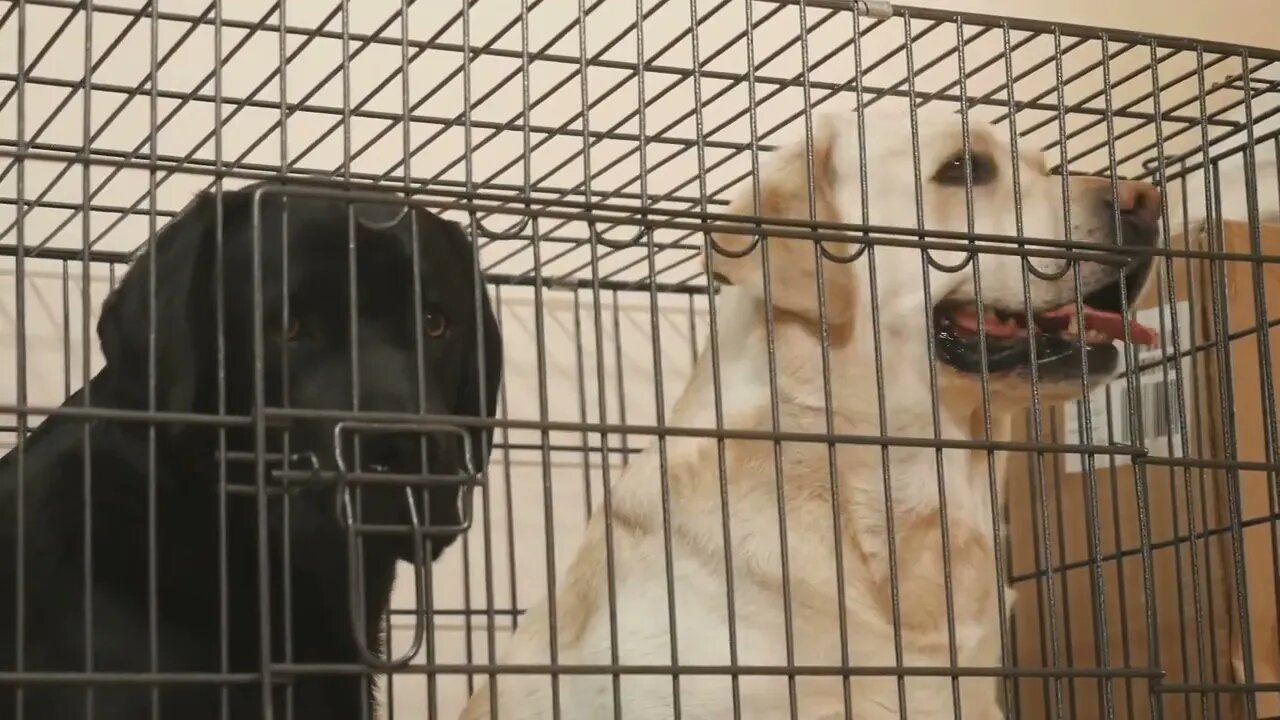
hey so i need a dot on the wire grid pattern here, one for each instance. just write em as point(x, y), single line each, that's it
point(590, 144)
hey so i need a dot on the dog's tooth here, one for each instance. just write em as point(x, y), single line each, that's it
point(1095, 336)
point(1073, 325)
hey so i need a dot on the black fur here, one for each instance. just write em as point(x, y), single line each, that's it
point(188, 530)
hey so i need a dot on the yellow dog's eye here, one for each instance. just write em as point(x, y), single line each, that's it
point(981, 170)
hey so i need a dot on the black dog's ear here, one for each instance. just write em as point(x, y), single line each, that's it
point(484, 368)
point(183, 260)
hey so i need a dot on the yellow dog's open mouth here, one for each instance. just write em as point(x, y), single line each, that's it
point(1096, 326)
point(1067, 336)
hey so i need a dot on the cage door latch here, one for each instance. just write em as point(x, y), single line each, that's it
point(875, 8)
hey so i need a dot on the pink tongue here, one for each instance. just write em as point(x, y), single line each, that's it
point(1111, 324)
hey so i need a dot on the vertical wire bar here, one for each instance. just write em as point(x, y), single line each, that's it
point(353, 335)
point(602, 404)
point(1047, 627)
point(66, 328)
point(1057, 474)
point(693, 330)
point(1273, 497)
point(611, 585)
point(1212, 230)
point(1217, 274)
point(260, 461)
point(934, 395)
point(580, 365)
point(220, 329)
point(617, 361)
point(547, 506)
point(1098, 578)
point(993, 481)
point(1169, 295)
point(1202, 434)
point(153, 609)
point(1221, 330)
point(1084, 420)
point(540, 336)
point(659, 398)
point(423, 575)
point(984, 375)
point(286, 547)
point(20, 342)
point(713, 343)
point(1013, 690)
point(539, 303)
point(1084, 416)
point(825, 352)
point(1161, 301)
point(775, 421)
point(420, 399)
point(477, 309)
point(1189, 487)
point(882, 410)
point(1117, 525)
point(86, 436)
point(420, 376)
point(219, 274)
point(1264, 353)
point(491, 635)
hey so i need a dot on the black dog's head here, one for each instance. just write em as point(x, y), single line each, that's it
point(364, 306)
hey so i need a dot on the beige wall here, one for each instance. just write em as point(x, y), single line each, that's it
point(520, 479)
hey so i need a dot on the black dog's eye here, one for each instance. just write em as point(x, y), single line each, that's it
point(952, 172)
point(436, 324)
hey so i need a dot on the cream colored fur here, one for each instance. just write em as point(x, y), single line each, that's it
point(702, 470)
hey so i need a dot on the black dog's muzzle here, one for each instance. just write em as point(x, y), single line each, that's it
point(413, 457)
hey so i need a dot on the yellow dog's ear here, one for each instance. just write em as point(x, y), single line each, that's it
point(792, 262)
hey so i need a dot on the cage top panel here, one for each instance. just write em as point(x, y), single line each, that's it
point(119, 115)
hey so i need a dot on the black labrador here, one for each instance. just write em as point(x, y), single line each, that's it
point(129, 526)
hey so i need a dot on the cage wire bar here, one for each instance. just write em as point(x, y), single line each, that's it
point(590, 149)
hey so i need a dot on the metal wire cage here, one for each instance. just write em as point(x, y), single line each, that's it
point(590, 150)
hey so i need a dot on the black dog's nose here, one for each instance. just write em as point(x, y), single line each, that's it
point(1139, 203)
point(409, 453)
point(391, 453)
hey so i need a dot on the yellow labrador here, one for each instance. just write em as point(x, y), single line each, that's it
point(832, 574)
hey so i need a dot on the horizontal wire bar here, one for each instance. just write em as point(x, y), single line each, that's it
point(741, 670)
point(53, 152)
point(110, 257)
point(279, 417)
point(295, 669)
point(122, 678)
point(507, 612)
point(662, 218)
